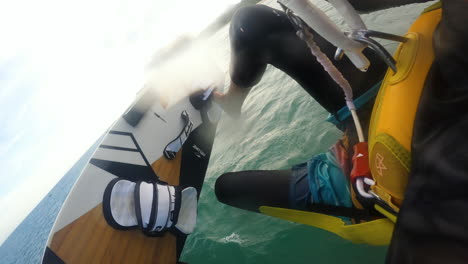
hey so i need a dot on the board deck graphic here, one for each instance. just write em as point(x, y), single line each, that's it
point(133, 150)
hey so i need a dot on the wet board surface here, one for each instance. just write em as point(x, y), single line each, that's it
point(132, 149)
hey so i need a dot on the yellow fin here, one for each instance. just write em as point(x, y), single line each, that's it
point(377, 232)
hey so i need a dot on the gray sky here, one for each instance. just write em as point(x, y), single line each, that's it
point(67, 70)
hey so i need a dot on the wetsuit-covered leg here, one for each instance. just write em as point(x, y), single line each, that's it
point(251, 189)
point(315, 185)
point(261, 35)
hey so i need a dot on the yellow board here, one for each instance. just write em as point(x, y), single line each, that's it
point(377, 232)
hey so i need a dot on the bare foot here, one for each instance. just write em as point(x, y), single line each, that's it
point(230, 103)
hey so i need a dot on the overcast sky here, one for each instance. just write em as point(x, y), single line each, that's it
point(67, 70)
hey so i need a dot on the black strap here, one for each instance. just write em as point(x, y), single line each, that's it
point(154, 207)
point(148, 231)
point(169, 209)
point(354, 213)
point(370, 202)
point(136, 197)
point(178, 202)
point(153, 214)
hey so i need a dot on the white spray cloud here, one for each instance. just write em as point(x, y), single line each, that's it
point(79, 65)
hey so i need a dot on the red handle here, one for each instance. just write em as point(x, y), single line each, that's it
point(360, 162)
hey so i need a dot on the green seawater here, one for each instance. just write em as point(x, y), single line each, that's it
point(281, 125)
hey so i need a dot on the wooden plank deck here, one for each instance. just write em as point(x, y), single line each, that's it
point(89, 239)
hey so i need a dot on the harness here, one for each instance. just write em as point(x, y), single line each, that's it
point(394, 112)
point(390, 135)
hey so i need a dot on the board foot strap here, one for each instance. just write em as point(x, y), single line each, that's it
point(175, 145)
point(152, 207)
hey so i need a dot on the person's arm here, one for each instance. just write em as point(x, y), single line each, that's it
point(374, 5)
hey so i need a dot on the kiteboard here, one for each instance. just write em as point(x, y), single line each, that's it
point(152, 144)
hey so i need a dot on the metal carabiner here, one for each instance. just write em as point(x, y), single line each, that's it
point(364, 36)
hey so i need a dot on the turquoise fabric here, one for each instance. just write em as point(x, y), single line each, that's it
point(327, 182)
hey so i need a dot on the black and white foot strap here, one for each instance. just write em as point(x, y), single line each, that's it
point(154, 208)
point(175, 145)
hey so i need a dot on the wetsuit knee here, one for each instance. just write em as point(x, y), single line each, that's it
point(261, 35)
point(249, 190)
point(251, 24)
point(222, 190)
point(248, 32)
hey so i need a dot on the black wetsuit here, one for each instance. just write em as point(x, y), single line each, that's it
point(432, 224)
point(261, 35)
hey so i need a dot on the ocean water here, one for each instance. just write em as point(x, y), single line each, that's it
point(281, 126)
point(27, 243)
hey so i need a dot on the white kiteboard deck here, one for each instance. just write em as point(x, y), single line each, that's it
point(133, 150)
